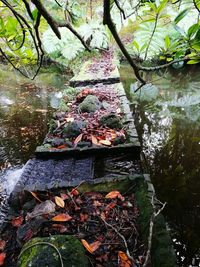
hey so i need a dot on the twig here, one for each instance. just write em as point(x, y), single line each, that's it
point(44, 243)
point(151, 225)
point(120, 235)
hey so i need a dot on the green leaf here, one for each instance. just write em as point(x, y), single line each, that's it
point(167, 41)
point(162, 6)
point(135, 43)
point(193, 61)
point(181, 15)
point(192, 30)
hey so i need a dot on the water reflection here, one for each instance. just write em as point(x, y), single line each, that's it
point(25, 107)
point(169, 128)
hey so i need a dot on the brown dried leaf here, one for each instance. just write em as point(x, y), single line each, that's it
point(2, 258)
point(17, 221)
point(124, 259)
point(74, 192)
point(114, 194)
point(94, 140)
point(35, 196)
point(91, 247)
point(60, 202)
point(62, 217)
point(78, 139)
point(105, 142)
point(70, 119)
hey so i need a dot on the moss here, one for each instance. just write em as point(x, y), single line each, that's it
point(111, 120)
point(70, 248)
point(90, 104)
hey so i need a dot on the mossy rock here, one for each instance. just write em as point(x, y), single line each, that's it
point(73, 129)
point(37, 253)
point(111, 120)
point(90, 104)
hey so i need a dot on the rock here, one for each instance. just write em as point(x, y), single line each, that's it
point(45, 207)
point(70, 248)
point(73, 129)
point(111, 120)
point(90, 104)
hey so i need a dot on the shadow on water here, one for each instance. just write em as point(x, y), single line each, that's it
point(167, 117)
point(25, 109)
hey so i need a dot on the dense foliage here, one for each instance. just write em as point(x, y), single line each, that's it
point(166, 30)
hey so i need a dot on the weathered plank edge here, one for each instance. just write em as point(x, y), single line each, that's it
point(67, 152)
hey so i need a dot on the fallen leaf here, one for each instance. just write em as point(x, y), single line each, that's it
point(2, 258)
point(60, 202)
point(124, 259)
point(105, 142)
point(110, 206)
point(114, 194)
point(35, 196)
point(62, 217)
point(91, 247)
point(84, 217)
point(69, 119)
point(78, 139)
point(94, 140)
point(95, 245)
point(2, 244)
point(62, 146)
point(45, 207)
point(17, 221)
point(74, 192)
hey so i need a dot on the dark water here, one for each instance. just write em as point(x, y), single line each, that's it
point(168, 122)
point(25, 108)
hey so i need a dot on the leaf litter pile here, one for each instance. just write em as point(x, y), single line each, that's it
point(91, 132)
point(104, 223)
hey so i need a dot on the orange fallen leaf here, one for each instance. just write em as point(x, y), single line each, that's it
point(110, 206)
point(74, 192)
point(91, 247)
point(94, 140)
point(105, 142)
point(114, 194)
point(2, 258)
point(2, 244)
point(35, 196)
point(17, 221)
point(78, 139)
point(62, 146)
point(124, 259)
point(60, 202)
point(62, 217)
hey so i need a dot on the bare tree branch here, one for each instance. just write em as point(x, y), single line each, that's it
point(107, 20)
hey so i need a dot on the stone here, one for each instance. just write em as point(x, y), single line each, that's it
point(111, 120)
point(73, 129)
point(41, 254)
point(90, 104)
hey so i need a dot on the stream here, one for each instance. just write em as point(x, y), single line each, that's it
point(167, 117)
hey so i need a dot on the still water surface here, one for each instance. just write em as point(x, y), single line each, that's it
point(25, 108)
point(167, 117)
